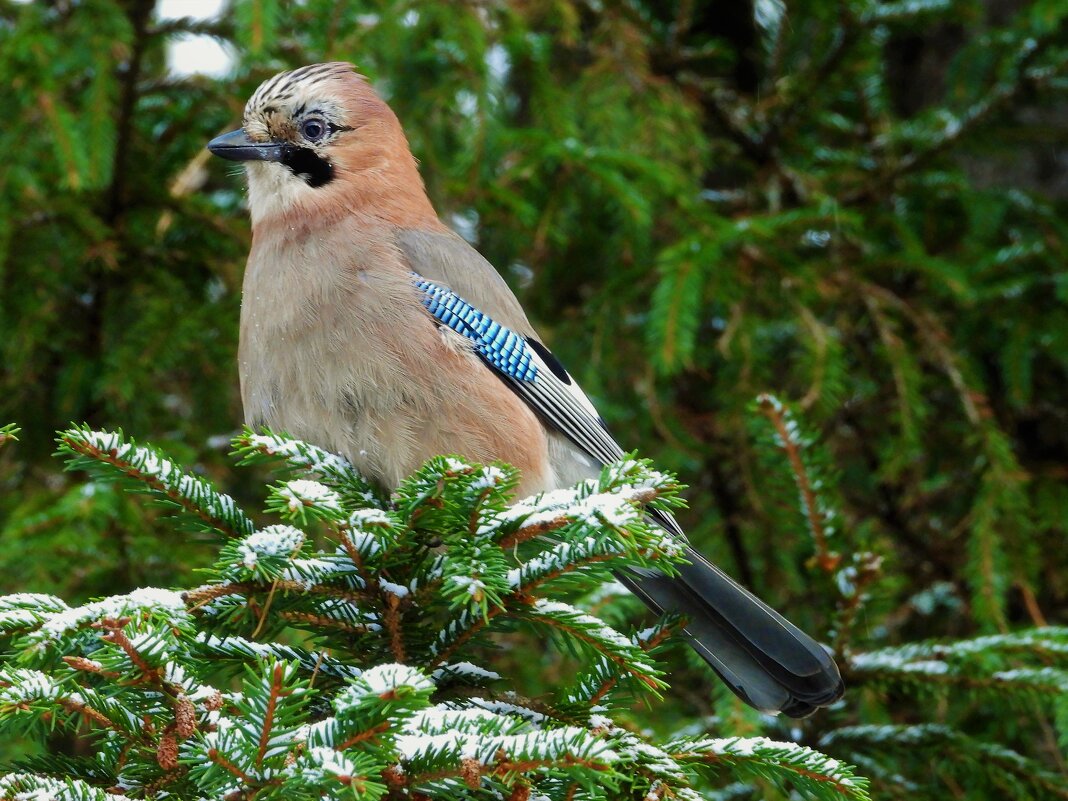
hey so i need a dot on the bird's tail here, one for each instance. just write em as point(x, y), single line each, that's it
point(765, 659)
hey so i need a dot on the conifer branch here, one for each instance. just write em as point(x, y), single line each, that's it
point(904, 149)
point(115, 634)
point(1024, 74)
point(805, 766)
point(173, 733)
point(628, 658)
point(815, 511)
point(109, 457)
point(86, 711)
point(332, 470)
point(853, 581)
point(647, 641)
point(19, 785)
point(202, 595)
point(226, 764)
point(532, 531)
point(277, 690)
point(958, 754)
point(391, 617)
point(457, 634)
point(997, 664)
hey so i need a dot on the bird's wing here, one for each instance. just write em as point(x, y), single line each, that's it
point(445, 258)
point(526, 366)
point(464, 292)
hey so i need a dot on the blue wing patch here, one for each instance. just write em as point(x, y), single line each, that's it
point(502, 347)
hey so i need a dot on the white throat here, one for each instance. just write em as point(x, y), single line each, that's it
point(274, 189)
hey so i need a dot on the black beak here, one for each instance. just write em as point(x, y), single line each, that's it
point(236, 146)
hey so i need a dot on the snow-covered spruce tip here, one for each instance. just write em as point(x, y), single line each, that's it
point(108, 456)
point(346, 649)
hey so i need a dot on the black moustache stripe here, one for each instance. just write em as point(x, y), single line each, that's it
point(309, 166)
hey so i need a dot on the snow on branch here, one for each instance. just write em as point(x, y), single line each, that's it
point(301, 500)
point(1027, 662)
point(149, 603)
point(903, 10)
point(239, 651)
point(27, 610)
point(331, 469)
point(34, 695)
point(363, 673)
point(595, 634)
point(30, 786)
point(108, 456)
point(819, 774)
point(601, 678)
point(959, 754)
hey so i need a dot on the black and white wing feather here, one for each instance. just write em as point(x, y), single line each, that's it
point(528, 368)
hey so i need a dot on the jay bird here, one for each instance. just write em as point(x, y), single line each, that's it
point(370, 328)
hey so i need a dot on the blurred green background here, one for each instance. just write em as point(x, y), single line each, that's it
point(858, 206)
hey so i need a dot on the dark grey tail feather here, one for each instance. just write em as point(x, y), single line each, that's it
point(765, 659)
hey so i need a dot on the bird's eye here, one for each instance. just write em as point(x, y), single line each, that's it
point(313, 129)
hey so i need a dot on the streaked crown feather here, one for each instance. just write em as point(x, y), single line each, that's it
point(285, 87)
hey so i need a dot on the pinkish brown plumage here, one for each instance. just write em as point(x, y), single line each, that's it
point(375, 174)
point(371, 329)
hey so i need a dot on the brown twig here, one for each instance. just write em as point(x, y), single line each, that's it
point(367, 734)
point(322, 621)
point(226, 764)
point(646, 645)
point(277, 691)
point(315, 670)
point(167, 778)
point(532, 531)
point(117, 636)
point(86, 711)
point(1034, 611)
point(826, 559)
point(111, 457)
point(391, 618)
point(266, 609)
point(502, 767)
point(207, 593)
point(354, 555)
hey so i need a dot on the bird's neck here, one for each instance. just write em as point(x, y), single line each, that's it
point(386, 192)
point(390, 193)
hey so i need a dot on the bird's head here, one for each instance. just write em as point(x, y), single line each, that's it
point(318, 140)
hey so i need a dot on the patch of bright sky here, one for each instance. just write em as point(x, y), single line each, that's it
point(191, 54)
point(195, 54)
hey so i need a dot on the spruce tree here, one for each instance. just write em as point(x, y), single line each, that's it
point(342, 652)
point(855, 208)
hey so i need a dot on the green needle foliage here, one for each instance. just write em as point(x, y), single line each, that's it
point(810, 256)
point(343, 670)
point(975, 683)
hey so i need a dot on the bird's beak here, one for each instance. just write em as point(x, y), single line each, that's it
point(236, 146)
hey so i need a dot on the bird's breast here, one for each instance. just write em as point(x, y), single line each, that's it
point(343, 354)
